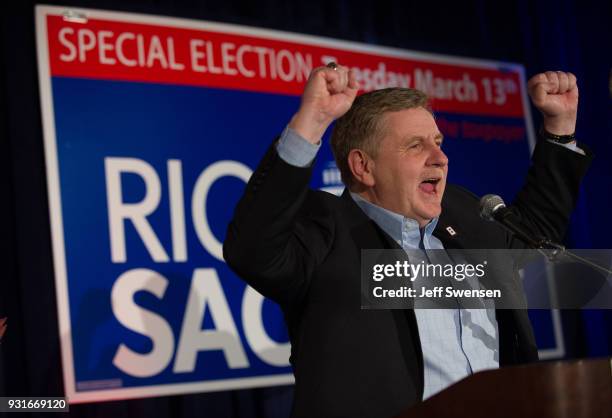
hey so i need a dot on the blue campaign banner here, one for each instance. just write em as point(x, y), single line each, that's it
point(138, 152)
point(152, 128)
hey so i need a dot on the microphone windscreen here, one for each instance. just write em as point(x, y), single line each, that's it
point(489, 204)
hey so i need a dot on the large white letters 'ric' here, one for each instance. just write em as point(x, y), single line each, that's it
point(177, 210)
point(118, 211)
point(200, 194)
point(142, 321)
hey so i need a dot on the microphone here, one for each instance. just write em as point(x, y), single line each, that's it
point(493, 208)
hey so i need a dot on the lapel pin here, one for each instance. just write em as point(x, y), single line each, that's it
point(451, 231)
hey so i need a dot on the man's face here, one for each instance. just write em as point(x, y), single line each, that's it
point(410, 169)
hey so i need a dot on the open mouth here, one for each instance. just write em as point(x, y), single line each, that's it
point(430, 185)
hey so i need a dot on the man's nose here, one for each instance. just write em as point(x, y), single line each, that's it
point(437, 157)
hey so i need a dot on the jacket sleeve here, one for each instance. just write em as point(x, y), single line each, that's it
point(547, 199)
point(280, 231)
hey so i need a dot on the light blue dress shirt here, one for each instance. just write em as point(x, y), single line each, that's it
point(455, 342)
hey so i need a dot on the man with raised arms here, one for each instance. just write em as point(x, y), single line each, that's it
point(301, 248)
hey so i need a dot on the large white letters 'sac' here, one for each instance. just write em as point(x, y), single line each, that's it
point(142, 321)
point(207, 297)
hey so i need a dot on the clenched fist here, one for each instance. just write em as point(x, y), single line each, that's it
point(555, 95)
point(329, 94)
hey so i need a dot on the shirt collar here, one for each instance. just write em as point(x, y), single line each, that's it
point(405, 231)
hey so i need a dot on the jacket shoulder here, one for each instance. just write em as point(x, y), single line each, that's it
point(458, 198)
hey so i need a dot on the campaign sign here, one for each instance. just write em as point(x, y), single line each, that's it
point(152, 127)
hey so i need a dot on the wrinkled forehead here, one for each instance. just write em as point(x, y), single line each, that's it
point(412, 122)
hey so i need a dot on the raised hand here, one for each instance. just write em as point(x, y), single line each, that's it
point(555, 95)
point(329, 94)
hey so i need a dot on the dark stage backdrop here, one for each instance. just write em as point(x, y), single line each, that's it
point(561, 34)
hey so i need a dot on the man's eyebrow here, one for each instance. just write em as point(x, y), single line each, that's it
point(414, 138)
point(439, 135)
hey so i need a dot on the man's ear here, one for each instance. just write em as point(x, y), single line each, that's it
point(362, 167)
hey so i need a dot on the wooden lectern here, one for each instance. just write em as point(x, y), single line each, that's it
point(572, 389)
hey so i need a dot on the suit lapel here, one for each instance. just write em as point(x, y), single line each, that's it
point(368, 235)
point(451, 235)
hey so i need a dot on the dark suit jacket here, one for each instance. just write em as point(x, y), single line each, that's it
point(301, 248)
